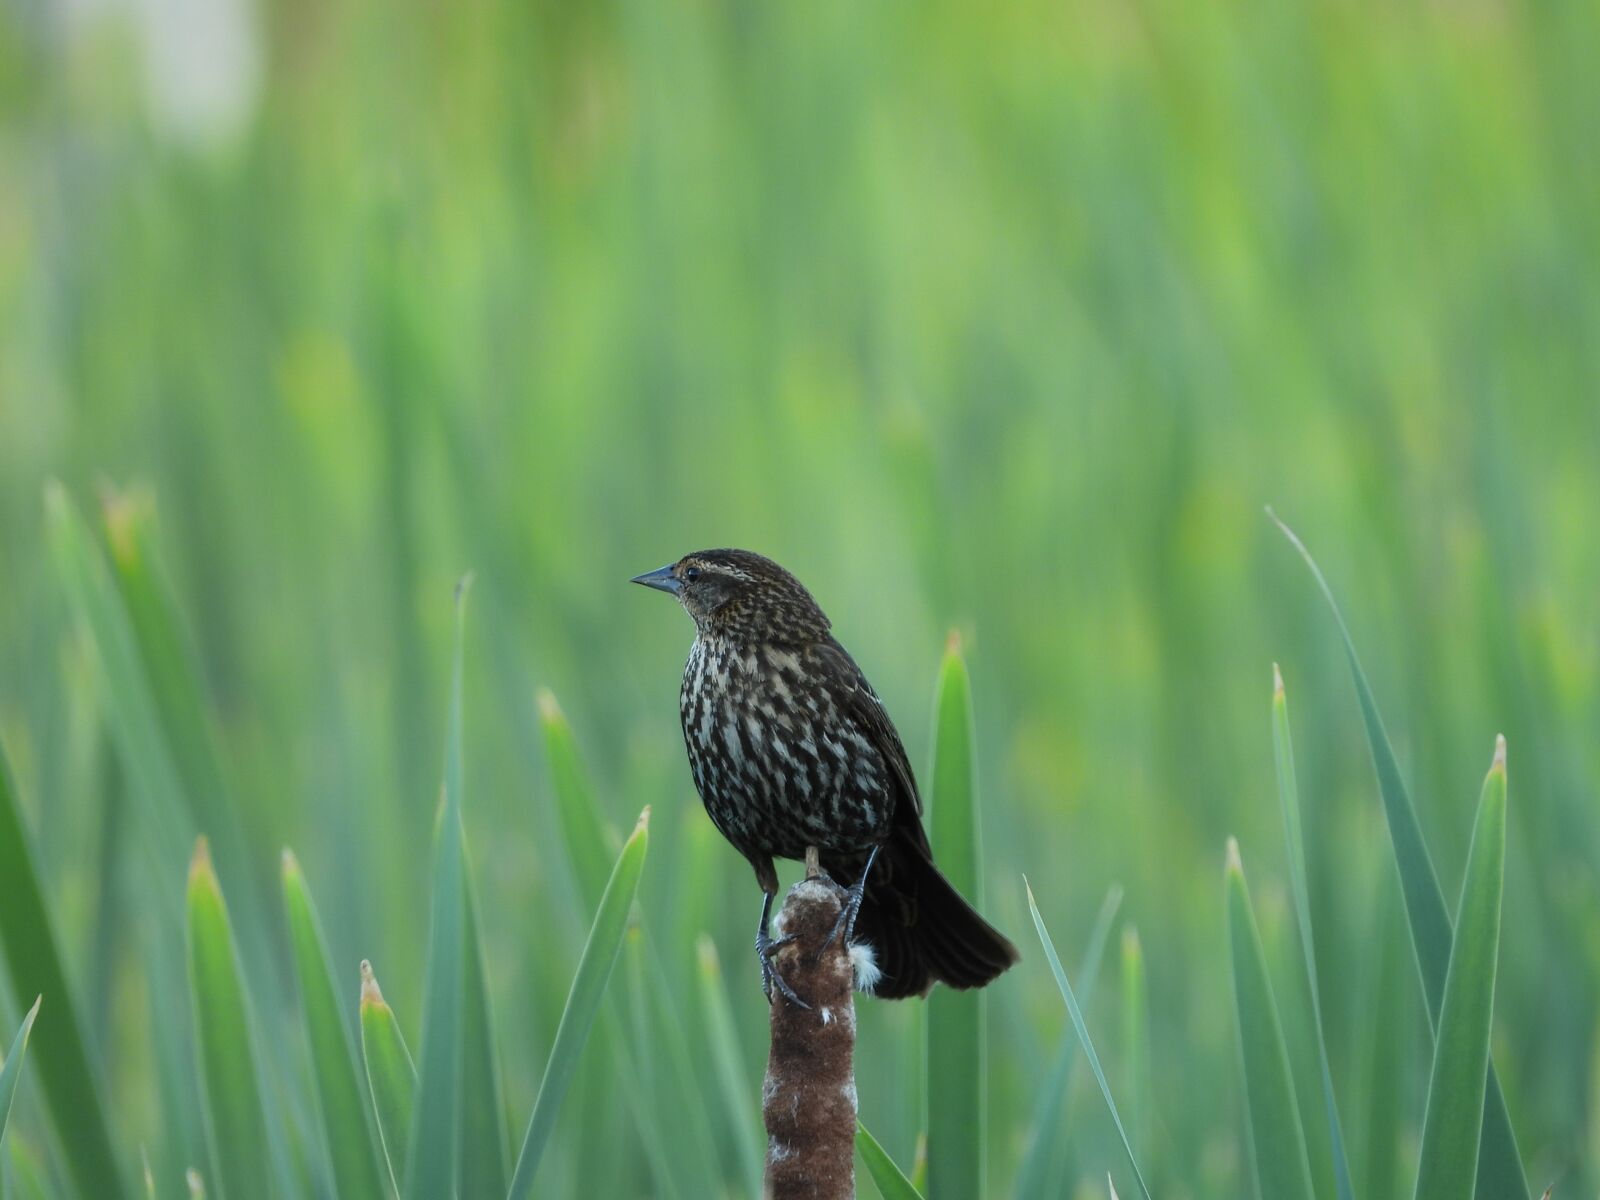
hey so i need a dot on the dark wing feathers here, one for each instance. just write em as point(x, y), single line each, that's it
point(854, 696)
point(922, 928)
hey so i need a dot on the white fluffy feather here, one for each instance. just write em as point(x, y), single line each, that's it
point(864, 960)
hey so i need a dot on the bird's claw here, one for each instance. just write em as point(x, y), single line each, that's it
point(765, 948)
point(846, 923)
point(854, 894)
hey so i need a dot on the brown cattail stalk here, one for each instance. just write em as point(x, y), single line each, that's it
point(809, 1099)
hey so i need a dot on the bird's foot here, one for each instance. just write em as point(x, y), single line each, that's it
point(854, 894)
point(846, 924)
point(766, 947)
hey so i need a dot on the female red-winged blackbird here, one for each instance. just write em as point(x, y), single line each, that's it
point(790, 747)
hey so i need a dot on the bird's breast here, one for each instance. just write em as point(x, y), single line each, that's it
point(778, 766)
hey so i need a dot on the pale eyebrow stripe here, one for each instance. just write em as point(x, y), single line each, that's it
point(725, 569)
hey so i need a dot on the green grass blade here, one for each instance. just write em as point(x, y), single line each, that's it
point(180, 713)
point(1084, 1040)
point(591, 848)
point(696, 880)
point(391, 1075)
point(27, 1174)
point(164, 815)
point(1278, 1139)
point(35, 968)
point(583, 1001)
point(591, 842)
point(740, 1111)
point(1500, 1164)
point(1451, 1132)
point(1289, 799)
point(483, 1120)
point(182, 1138)
point(889, 1179)
point(133, 719)
point(1044, 1159)
point(956, 1116)
point(630, 1070)
point(1136, 1038)
point(11, 1065)
point(665, 1076)
point(357, 1171)
point(171, 672)
point(1384, 1052)
point(128, 522)
point(435, 1137)
point(230, 1086)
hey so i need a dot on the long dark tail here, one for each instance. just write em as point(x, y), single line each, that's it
point(922, 930)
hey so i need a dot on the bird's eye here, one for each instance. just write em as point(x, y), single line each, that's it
point(692, 574)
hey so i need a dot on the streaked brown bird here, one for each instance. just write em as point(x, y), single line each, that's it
point(790, 747)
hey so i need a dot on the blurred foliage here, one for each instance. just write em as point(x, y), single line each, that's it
point(1008, 319)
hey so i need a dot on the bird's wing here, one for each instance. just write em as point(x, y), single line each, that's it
point(855, 697)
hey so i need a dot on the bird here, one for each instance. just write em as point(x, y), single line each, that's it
point(791, 748)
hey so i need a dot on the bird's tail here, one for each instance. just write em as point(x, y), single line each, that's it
point(922, 930)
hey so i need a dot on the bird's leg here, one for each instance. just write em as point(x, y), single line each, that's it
point(766, 947)
point(846, 923)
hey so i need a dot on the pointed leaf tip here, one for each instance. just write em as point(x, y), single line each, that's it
point(1234, 861)
point(370, 992)
point(1287, 532)
point(200, 867)
point(643, 824)
point(291, 865)
point(1277, 682)
point(118, 512)
point(706, 954)
point(34, 1011)
point(1499, 763)
point(952, 642)
point(549, 709)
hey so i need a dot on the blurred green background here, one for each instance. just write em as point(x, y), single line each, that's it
point(1008, 319)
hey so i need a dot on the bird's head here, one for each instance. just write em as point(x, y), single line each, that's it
point(742, 595)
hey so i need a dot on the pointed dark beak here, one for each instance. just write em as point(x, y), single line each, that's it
point(662, 579)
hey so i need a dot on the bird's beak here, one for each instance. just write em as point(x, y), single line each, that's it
point(662, 579)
